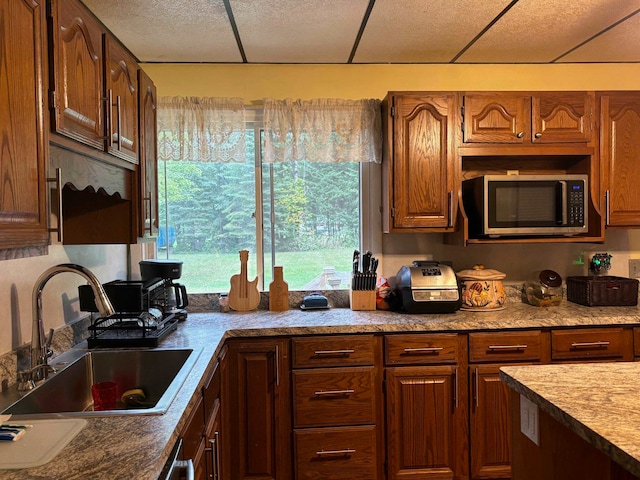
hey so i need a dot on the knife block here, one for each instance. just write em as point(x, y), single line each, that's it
point(362, 299)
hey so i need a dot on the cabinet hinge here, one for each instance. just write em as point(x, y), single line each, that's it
point(393, 213)
point(52, 99)
point(392, 111)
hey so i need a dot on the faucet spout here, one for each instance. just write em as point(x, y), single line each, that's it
point(39, 346)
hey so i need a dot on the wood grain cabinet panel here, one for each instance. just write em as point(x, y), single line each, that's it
point(420, 171)
point(257, 403)
point(78, 63)
point(333, 351)
point(121, 75)
point(329, 396)
point(528, 118)
point(426, 413)
point(345, 453)
point(619, 153)
point(497, 118)
point(420, 349)
point(147, 200)
point(493, 347)
point(607, 344)
point(23, 125)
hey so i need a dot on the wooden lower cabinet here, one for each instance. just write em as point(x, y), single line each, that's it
point(257, 405)
point(561, 455)
point(336, 453)
point(426, 417)
point(490, 432)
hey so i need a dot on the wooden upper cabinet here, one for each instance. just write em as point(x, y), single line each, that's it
point(148, 170)
point(524, 118)
point(23, 126)
point(619, 154)
point(122, 94)
point(421, 167)
point(497, 118)
point(95, 83)
point(78, 73)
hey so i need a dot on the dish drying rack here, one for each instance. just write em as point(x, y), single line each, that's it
point(123, 330)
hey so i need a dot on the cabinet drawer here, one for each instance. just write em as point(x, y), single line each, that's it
point(592, 343)
point(333, 351)
point(334, 396)
point(344, 453)
point(421, 349)
point(531, 346)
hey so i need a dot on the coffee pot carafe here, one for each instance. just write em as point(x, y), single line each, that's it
point(173, 298)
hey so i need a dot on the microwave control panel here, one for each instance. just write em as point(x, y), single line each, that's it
point(576, 203)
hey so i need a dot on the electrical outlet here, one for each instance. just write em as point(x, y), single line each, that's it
point(634, 268)
point(529, 420)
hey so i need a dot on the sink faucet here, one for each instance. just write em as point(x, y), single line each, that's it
point(40, 351)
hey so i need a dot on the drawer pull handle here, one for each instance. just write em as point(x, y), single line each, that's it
point(508, 347)
point(423, 350)
point(346, 451)
point(334, 392)
point(334, 352)
point(603, 343)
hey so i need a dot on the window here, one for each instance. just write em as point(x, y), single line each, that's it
point(304, 216)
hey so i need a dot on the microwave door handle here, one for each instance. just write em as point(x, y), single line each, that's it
point(561, 203)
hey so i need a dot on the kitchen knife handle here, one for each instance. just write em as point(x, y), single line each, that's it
point(423, 350)
point(333, 392)
point(334, 352)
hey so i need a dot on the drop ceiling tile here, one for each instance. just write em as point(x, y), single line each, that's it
point(170, 31)
point(417, 31)
point(294, 31)
point(620, 44)
point(535, 31)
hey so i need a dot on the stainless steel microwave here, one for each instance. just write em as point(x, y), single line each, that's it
point(526, 205)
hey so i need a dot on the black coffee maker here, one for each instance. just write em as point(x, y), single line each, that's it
point(170, 297)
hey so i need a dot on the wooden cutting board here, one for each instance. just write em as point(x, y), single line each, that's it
point(243, 294)
point(278, 292)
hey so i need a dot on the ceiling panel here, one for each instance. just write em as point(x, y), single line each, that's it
point(415, 31)
point(294, 31)
point(535, 31)
point(170, 31)
point(619, 44)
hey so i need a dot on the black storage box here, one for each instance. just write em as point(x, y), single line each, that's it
point(602, 291)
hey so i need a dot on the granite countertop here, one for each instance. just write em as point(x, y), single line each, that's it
point(597, 401)
point(138, 446)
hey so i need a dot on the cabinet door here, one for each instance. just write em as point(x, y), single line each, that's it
point(23, 135)
point(122, 93)
point(148, 170)
point(77, 73)
point(490, 438)
point(422, 161)
point(497, 118)
point(562, 117)
point(426, 423)
point(619, 152)
point(256, 398)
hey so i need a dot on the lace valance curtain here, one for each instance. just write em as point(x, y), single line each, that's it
point(322, 130)
point(201, 129)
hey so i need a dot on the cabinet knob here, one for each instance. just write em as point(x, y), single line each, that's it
point(538, 135)
point(520, 134)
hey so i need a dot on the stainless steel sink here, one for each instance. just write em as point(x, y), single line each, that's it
point(158, 372)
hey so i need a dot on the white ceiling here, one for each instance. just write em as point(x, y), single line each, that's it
point(375, 31)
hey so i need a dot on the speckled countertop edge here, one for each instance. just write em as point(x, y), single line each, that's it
point(597, 401)
point(138, 447)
